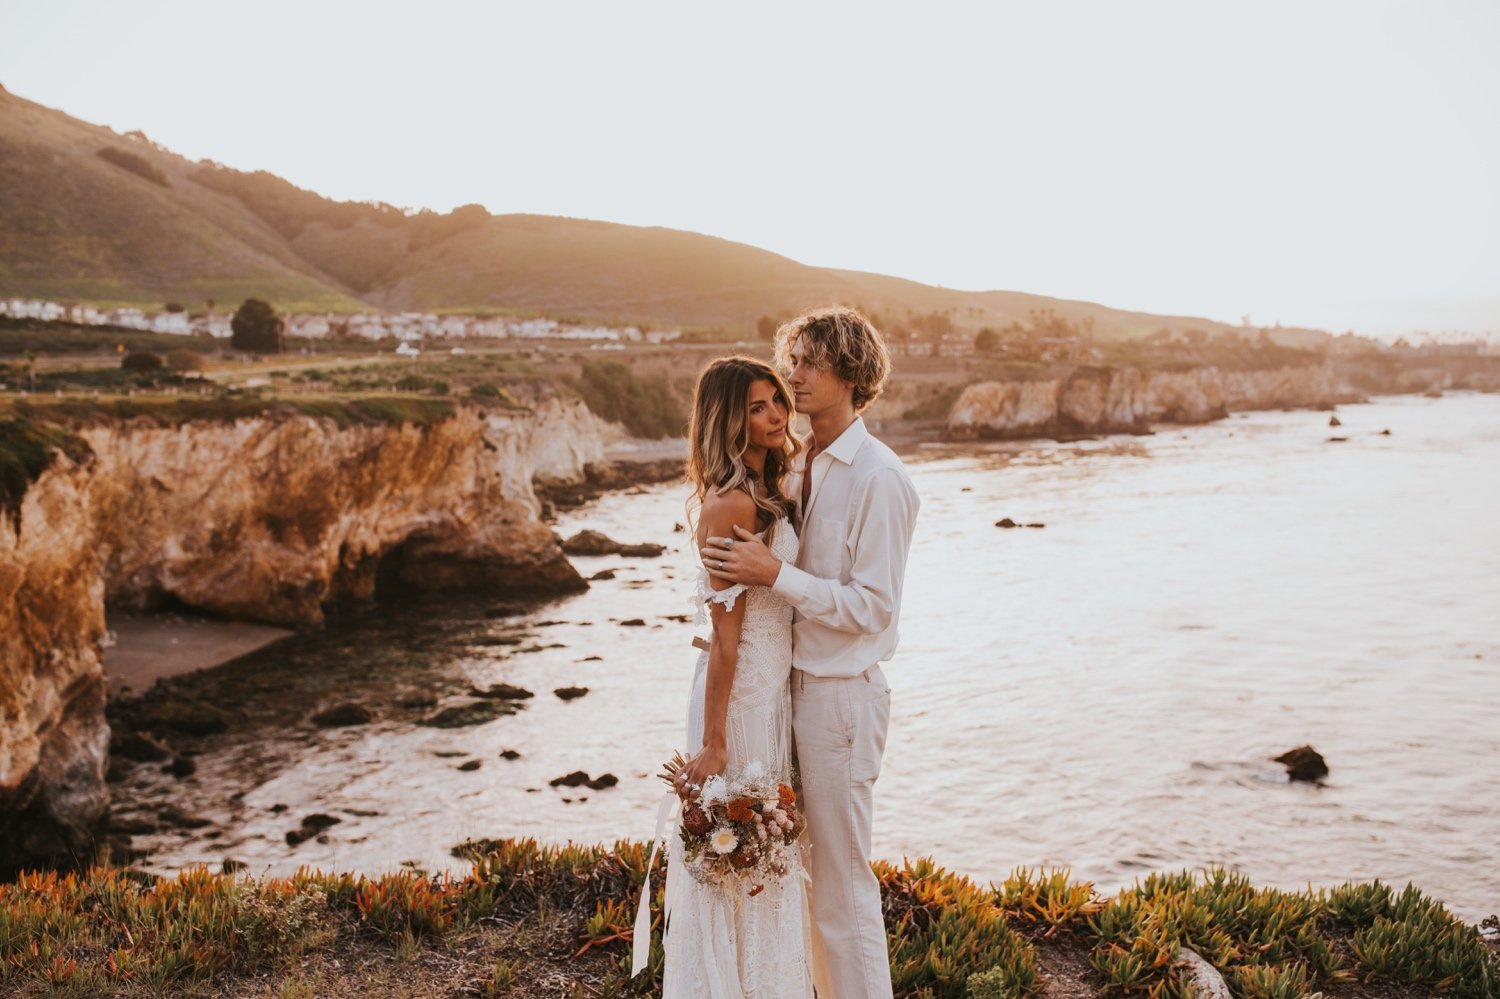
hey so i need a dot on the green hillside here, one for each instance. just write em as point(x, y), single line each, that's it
point(87, 214)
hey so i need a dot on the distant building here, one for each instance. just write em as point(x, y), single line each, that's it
point(408, 327)
point(171, 322)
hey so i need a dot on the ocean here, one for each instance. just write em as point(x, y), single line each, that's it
point(1103, 693)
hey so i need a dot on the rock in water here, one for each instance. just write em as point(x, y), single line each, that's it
point(1006, 522)
point(1303, 763)
point(575, 779)
point(590, 543)
point(343, 715)
point(501, 692)
point(312, 826)
point(603, 781)
point(594, 543)
point(569, 693)
point(173, 816)
point(182, 766)
point(186, 717)
point(464, 715)
point(1334, 421)
point(142, 747)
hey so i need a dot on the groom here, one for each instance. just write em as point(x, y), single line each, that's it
point(857, 508)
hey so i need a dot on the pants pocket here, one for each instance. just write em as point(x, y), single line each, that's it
point(870, 712)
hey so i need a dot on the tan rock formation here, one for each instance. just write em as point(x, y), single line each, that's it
point(275, 519)
point(53, 738)
point(1129, 400)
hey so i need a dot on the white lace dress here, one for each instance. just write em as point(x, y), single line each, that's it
point(722, 943)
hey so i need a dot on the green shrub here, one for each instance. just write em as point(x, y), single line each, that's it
point(183, 359)
point(142, 360)
point(493, 393)
point(943, 930)
point(648, 407)
point(28, 449)
point(1414, 939)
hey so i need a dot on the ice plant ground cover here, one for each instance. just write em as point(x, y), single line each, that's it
point(532, 921)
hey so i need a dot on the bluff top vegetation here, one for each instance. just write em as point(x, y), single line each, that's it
point(530, 921)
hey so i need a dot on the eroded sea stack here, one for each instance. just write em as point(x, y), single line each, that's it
point(276, 518)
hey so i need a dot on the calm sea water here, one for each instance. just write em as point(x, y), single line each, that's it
point(1102, 694)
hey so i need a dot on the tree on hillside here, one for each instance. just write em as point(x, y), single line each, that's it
point(141, 360)
point(986, 340)
point(767, 326)
point(257, 328)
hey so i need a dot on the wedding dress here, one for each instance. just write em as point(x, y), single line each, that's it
point(722, 943)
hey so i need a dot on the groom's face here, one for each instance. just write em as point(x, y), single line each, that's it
point(816, 388)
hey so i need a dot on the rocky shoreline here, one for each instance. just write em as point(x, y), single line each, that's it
point(281, 518)
point(185, 752)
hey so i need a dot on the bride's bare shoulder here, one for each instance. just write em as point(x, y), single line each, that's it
point(723, 509)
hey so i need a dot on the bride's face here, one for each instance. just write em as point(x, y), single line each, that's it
point(765, 416)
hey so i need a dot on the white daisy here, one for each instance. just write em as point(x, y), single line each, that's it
point(723, 840)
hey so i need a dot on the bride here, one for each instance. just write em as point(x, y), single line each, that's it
point(723, 940)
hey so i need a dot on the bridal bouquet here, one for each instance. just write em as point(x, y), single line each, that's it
point(741, 830)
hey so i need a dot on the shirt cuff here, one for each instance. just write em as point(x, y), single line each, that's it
point(791, 583)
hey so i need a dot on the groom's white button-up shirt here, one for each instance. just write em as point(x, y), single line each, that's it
point(856, 535)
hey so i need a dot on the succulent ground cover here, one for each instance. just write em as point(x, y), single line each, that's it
point(532, 921)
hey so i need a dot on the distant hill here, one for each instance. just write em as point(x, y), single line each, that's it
point(88, 214)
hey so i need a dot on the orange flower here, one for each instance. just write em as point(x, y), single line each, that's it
point(739, 810)
point(788, 796)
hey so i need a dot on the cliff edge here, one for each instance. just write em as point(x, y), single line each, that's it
point(277, 517)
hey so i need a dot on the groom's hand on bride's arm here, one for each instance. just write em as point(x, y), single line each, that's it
point(741, 559)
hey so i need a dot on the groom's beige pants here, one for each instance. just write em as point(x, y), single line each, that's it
point(840, 727)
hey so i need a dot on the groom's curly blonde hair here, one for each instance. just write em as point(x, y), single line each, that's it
point(843, 341)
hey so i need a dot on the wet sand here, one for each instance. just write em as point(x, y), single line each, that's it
point(150, 647)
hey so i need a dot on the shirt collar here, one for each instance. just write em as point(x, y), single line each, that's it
point(849, 442)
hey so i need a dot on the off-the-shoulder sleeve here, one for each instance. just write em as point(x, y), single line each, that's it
point(726, 597)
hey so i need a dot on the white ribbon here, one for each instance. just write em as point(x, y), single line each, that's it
point(640, 956)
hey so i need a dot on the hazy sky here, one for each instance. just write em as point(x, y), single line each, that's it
point(1331, 164)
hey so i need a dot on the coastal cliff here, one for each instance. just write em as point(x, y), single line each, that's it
point(276, 517)
point(1090, 400)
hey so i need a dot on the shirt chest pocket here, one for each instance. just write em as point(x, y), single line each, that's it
point(823, 543)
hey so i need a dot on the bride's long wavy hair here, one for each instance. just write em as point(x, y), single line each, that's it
point(719, 437)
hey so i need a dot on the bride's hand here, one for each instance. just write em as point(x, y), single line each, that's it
point(708, 763)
